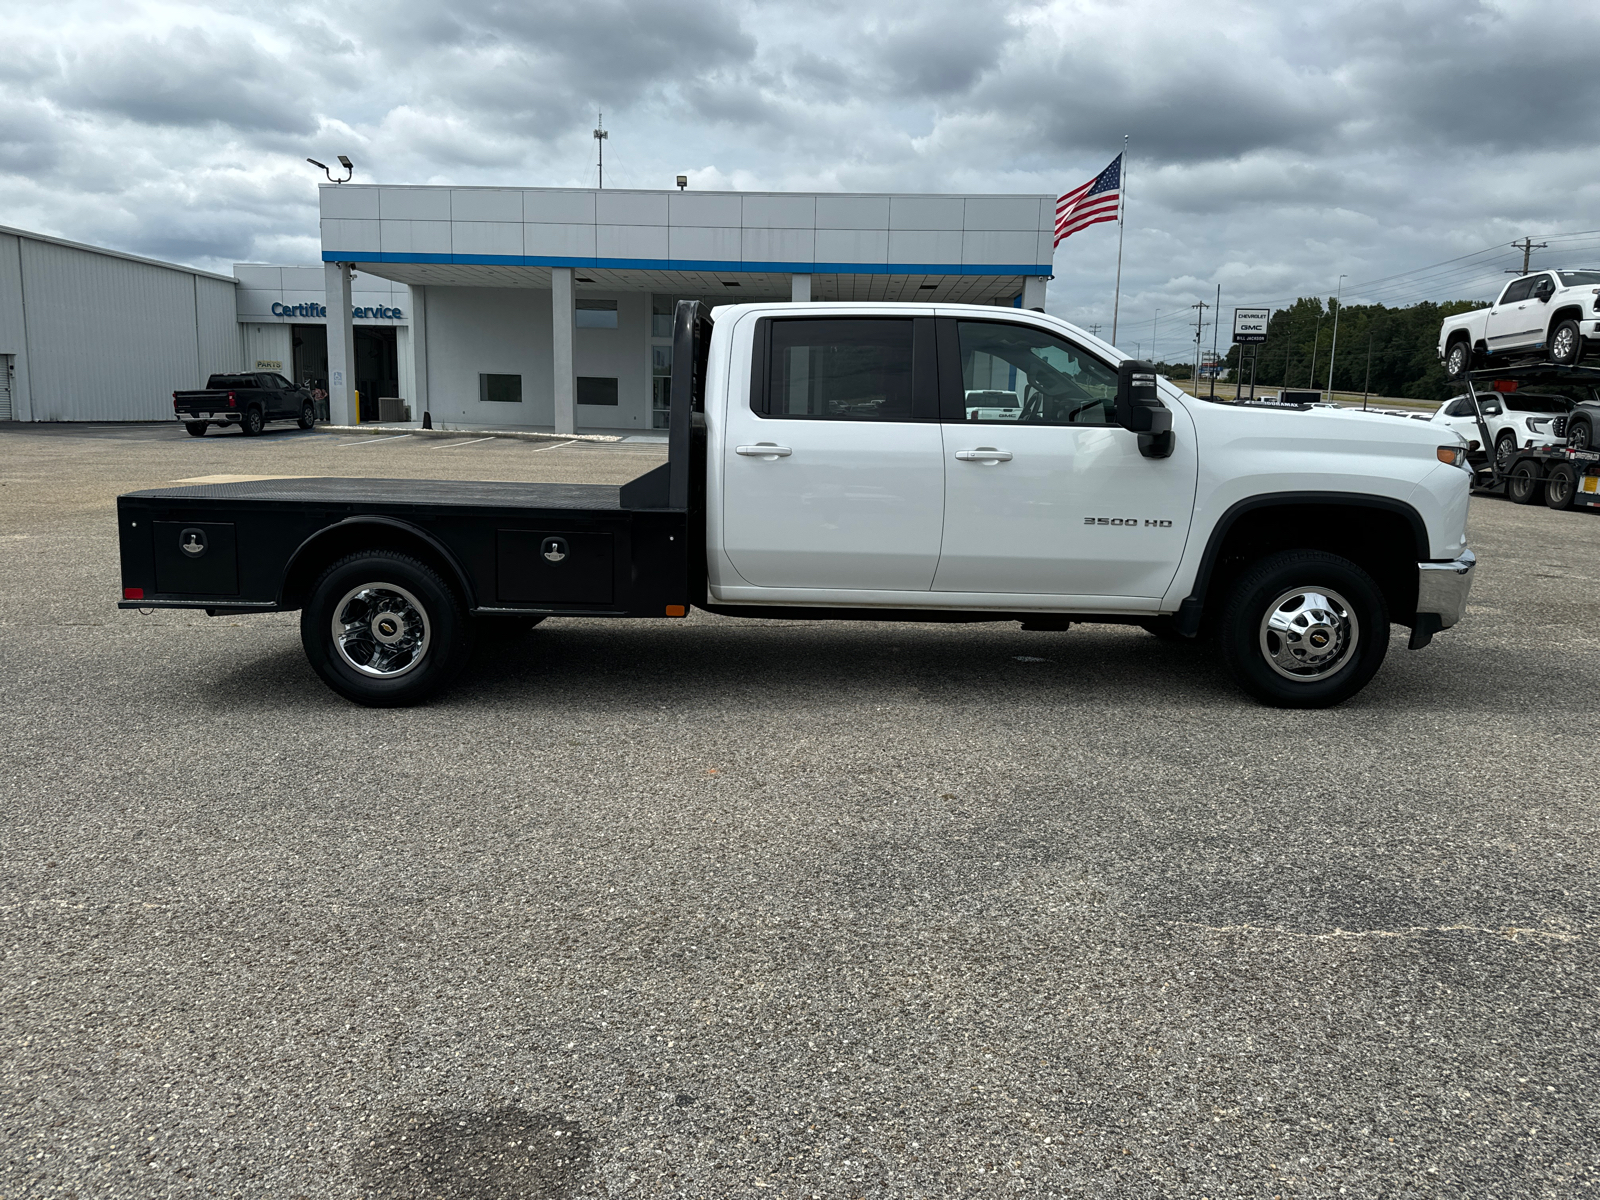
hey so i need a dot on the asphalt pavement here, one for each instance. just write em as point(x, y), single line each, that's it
point(713, 908)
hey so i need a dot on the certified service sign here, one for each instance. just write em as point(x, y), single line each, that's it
point(1250, 325)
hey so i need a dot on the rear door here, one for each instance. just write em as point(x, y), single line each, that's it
point(1515, 320)
point(833, 472)
point(1044, 494)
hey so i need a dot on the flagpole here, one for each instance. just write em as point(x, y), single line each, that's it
point(1122, 202)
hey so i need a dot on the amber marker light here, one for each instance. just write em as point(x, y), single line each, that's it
point(677, 610)
point(1455, 456)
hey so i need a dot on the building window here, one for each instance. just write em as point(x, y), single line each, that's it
point(661, 316)
point(500, 389)
point(596, 314)
point(595, 390)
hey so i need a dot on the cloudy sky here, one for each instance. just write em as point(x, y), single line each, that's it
point(1274, 146)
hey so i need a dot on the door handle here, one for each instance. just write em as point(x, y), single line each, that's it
point(987, 455)
point(766, 450)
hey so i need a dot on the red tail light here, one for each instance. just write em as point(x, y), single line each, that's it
point(232, 403)
point(133, 593)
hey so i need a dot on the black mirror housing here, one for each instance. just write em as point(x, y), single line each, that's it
point(1139, 408)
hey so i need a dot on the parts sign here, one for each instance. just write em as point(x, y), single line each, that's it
point(1250, 325)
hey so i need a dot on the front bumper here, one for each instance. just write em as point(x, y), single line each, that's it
point(1442, 589)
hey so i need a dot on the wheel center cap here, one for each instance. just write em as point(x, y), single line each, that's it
point(1320, 640)
point(388, 628)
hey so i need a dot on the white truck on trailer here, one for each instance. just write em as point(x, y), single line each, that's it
point(874, 461)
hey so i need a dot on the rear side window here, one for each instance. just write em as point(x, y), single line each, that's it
point(1461, 408)
point(1538, 404)
point(849, 369)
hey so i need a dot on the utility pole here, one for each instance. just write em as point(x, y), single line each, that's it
point(1334, 349)
point(1095, 329)
point(1527, 245)
point(1216, 321)
point(600, 136)
point(1366, 389)
point(1153, 325)
point(1199, 317)
point(1316, 344)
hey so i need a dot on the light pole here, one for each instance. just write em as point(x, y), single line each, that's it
point(600, 136)
point(1334, 348)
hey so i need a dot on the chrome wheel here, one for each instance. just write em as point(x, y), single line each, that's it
point(381, 630)
point(1455, 362)
point(1503, 450)
point(1564, 344)
point(1309, 634)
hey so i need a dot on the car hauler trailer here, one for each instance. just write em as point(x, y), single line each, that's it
point(1565, 476)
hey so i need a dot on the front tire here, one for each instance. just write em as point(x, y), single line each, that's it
point(1304, 629)
point(1561, 489)
point(1523, 486)
point(1504, 447)
point(251, 422)
point(308, 415)
point(197, 428)
point(384, 629)
point(1566, 344)
point(1458, 358)
point(1580, 434)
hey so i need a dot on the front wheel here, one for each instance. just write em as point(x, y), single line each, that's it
point(196, 428)
point(1505, 446)
point(1580, 435)
point(1561, 488)
point(384, 630)
point(1304, 629)
point(1523, 486)
point(1566, 344)
point(308, 415)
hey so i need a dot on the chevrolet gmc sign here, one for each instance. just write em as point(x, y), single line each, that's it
point(1250, 325)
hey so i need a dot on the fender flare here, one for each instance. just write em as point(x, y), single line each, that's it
point(308, 547)
point(1187, 618)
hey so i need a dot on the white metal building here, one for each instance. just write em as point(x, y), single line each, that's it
point(93, 335)
point(550, 308)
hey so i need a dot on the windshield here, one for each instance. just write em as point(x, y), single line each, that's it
point(1537, 404)
point(1579, 278)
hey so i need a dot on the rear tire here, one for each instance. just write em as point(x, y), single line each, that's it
point(1561, 488)
point(1458, 358)
point(251, 422)
point(403, 634)
point(1566, 344)
point(1304, 629)
point(308, 415)
point(197, 428)
point(1523, 486)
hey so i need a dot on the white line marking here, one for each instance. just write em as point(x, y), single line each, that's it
point(556, 446)
point(458, 445)
point(372, 441)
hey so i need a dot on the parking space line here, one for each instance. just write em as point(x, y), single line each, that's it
point(372, 441)
point(557, 446)
point(473, 442)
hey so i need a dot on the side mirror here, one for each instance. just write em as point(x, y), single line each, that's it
point(1139, 408)
point(1544, 291)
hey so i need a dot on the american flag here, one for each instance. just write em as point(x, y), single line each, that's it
point(1094, 202)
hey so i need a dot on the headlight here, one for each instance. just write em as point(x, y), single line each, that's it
point(1537, 424)
point(1455, 455)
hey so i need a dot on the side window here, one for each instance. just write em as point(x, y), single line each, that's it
point(282, 384)
point(1020, 373)
point(1460, 408)
point(857, 369)
point(1518, 290)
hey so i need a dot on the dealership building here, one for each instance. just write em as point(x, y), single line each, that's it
point(521, 308)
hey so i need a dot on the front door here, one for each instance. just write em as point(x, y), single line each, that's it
point(833, 475)
point(1043, 493)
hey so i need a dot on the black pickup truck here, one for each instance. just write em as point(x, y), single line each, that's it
point(246, 400)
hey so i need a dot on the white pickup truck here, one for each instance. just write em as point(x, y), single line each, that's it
point(860, 461)
point(1556, 313)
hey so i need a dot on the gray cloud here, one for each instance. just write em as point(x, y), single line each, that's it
point(1274, 147)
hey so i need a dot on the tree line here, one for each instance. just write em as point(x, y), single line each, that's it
point(1403, 345)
